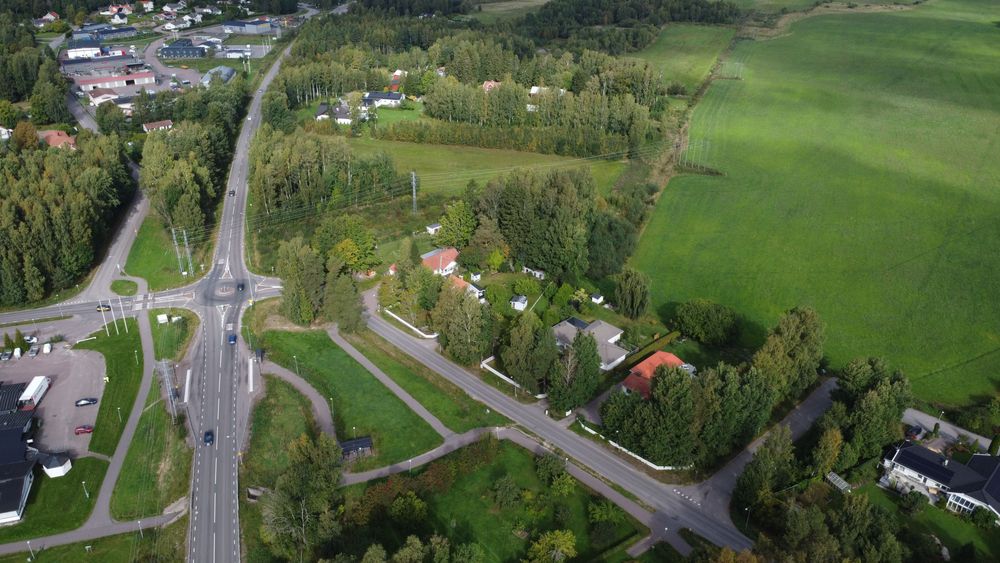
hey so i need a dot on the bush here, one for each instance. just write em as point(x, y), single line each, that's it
point(526, 286)
point(707, 322)
point(506, 493)
point(983, 518)
point(913, 502)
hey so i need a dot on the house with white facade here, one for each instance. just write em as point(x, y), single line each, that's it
point(441, 261)
point(605, 334)
point(976, 484)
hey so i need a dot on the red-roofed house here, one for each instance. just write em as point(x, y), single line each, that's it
point(56, 138)
point(490, 85)
point(164, 125)
point(441, 261)
point(640, 377)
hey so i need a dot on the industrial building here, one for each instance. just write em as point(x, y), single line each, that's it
point(224, 73)
point(183, 49)
point(252, 27)
point(88, 83)
point(83, 49)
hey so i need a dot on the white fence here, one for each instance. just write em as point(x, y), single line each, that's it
point(419, 332)
point(485, 364)
point(636, 456)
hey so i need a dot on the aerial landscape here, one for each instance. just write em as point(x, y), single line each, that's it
point(484, 281)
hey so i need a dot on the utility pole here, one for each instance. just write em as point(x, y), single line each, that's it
point(413, 188)
point(103, 319)
point(177, 251)
point(122, 309)
point(187, 249)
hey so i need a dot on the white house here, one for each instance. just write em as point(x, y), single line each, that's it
point(16, 484)
point(912, 467)
point(56, 465)
point(433, 228)
point(83, 49)
point(596, 298)
point(164, 125)
point(147, 5)
point(441, 261)
point(537, 274)
point(5, 133)
point(519, 302)
point(192, 18)
point(119, 19)
point(174, 26)
point(382, 99)
point(606, 335)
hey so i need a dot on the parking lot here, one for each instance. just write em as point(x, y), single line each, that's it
point(75, 374)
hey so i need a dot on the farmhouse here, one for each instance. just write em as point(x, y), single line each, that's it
point(382, 99)
point(183, 49)
point(441, 261)
point(606, 335)
point(83, 49)
point(640, 377)
point(912, 467)
point(164, 125)
point(397, 80)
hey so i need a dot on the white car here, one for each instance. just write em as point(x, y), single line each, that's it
point(31, 339)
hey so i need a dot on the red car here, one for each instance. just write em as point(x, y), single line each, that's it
point(85, 429)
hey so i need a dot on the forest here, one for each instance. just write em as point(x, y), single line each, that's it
point(57, 207)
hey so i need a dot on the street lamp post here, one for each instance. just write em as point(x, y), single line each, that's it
point(119, 414)
point(355, 429)
point(747, 510)
point(85, 492)
point(31, 551)
point(296, 358)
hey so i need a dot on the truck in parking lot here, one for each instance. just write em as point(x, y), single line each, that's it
point(34, 392)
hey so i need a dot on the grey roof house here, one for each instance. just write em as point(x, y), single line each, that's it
point(976, 484)
point(606, 335)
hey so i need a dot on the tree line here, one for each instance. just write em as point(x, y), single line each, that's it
point(57, 207)
point(698, 420)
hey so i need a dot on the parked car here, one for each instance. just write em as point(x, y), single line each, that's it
point(86, 401)
point(84, 429)
point(103, 307)
point(5, 355)
point(33, 351)
point(914, 432)
point(232, 339)
point(31, 339)
point(209, 437)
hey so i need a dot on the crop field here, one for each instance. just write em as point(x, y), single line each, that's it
point(446, 169)
point(685, 53)
point(774, 5)
point(859, 155)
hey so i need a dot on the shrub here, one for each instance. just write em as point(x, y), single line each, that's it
point(506, 493)
point(707, 322)
point(983, 518)
point(913, 502)
point(526, 286)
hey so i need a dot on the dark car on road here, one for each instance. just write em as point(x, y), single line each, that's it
point(240, 287)
point(232, 339)
point(209, 437)
point(103, 308)
point(84, 429)
point(86, 401)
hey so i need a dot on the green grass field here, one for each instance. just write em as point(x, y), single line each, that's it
point(466, 512)
point(153, 258)
point(124, 287)
point(685, 53)
point(162, 545)
point(493, 12)
point(774, 5)
point(452, 406)
point(859, 154)
point(170, 340)
point(157, 469)
point(58, 505)
point(359, 400)
point(446, 169)
point(282, 415)
point(952, 530)
point(124, 375)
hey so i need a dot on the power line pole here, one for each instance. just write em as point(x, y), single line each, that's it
point(413, 187)
point(187, 249)
point(177, 251)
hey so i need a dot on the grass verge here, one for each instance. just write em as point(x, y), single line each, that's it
point(123, 370)
point(153, 258)
point(361, 404)
point(124, 287)
point(166, 545)
point(170, 340)
point(452, 406)
point(157, 467)
point(58, 505)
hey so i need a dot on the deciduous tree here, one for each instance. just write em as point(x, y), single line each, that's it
point(632, 293)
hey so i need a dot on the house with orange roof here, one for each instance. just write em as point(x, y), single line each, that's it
point(489, 85)
point(441, 261)
point(640, 377)
point(468, 287)
point(56, 138)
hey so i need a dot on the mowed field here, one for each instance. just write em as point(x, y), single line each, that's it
point(685, 53)
point(447, 169)
point(862, 178)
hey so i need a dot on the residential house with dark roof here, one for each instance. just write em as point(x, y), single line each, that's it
point(976, 484)
point(607, 336)
point(382, 99)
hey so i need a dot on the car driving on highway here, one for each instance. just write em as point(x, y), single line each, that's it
point(103, 308)
point(209, 437)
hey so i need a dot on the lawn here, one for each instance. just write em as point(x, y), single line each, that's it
point(282, 415)
point(123, 370)
point(466, 512)
point(124, 287)
point(774, 5)
point(493, 12)
point(685, 53)
point(170, 340)
point(153, 258)
point(157, 468)
point(450, 404)
point(446, 169)
point(361, 404)
point(58, 505)
point(165, 545)
point(859, 161)
point(953, 531)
